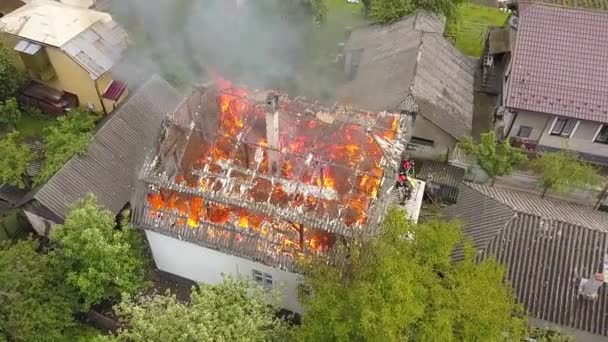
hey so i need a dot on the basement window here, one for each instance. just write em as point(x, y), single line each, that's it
point(36, 60)
point(263, 278)
point(422, 141)
point(524, 131)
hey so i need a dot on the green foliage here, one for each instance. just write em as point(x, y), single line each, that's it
point(70, 135)
point(9, 112)
point(387, 11)
point(564, 171)
point(10, 77)
point(496, 158)
point(549, 335)
point(235, 310)
point(101, 262)
point(402, 285)
point(467, 27)
point(14, 159)
point(318, 9)
point(34, 303)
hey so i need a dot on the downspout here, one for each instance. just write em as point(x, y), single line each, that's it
point(103, 107)
point(512, 124)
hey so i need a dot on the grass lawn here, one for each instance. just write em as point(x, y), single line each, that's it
point(32, 126)
point(469, 25)
point(325, 76)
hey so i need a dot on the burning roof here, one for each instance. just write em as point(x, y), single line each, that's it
point(265, 176)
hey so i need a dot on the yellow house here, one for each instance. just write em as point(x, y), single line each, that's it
point(70, 49)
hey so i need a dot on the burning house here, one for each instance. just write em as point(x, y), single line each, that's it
point(248, 182)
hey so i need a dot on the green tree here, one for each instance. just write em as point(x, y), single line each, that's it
point(387, 11)
point(35, 305)
point(10, 77)
point(14, 159)
point(402, 285)
point(564, 171)
point(496, 158)
point(70, 135)
point(9, 112)
point(101, 262)
point(234, 310)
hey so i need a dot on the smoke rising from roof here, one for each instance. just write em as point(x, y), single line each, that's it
point(257, 42)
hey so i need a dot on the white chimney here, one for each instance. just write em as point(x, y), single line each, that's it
point(272, 133)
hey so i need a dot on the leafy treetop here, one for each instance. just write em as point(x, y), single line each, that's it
point(35, 304)
point(70, 135)
point(101, 262)
point(234, 310)
point(14, 159)
point(496, 158)
point(10, 77)
point(9, 112)
point(402, 285)
point(563, 171)
point(387, 11)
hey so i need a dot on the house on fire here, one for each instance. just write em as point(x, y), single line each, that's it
point(410, 67)
point(552, 92)
point(555, 253)
point(109, 167)
point(247, 182)
point(68, 52)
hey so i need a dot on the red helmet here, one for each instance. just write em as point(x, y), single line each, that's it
point(402, 178)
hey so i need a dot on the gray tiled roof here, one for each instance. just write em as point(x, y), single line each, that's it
point(411, 57)
point(560, 63)
point(109, 167)
point(545, 257)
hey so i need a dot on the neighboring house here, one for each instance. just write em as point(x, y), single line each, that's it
point(109, 167)
point(410, 67)
point(522, 5)
point(550, 249)
point(9, 196)
point(555, 93)
point(69, 49)
point(247, 184)
point(442, 179)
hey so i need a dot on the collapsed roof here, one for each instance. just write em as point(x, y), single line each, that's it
point(267, 177)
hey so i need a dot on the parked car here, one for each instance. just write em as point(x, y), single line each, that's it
point(50, 101)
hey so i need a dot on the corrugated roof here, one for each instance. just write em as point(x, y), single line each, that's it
point(109, 167)
point(50, 22)
point(91, 38)
point(411, 57)
point(545, 257)
point(560, 63)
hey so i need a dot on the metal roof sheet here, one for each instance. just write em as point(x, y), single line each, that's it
point(27, 47)
point(109, 167)
point(50, 22)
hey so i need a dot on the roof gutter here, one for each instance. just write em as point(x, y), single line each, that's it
point(96, 84)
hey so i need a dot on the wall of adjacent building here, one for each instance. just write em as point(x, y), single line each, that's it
point(39, 223)
point(206, 265)
point(443, 142)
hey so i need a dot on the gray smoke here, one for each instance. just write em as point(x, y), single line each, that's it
point(262, 43)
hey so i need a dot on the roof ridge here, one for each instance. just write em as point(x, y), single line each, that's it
point(533, 4)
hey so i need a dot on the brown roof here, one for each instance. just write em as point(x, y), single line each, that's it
point(591, 4)
point(560, 63)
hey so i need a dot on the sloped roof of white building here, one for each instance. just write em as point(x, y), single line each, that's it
point(92, 38)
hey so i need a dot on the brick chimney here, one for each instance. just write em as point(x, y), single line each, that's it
point(272, 132)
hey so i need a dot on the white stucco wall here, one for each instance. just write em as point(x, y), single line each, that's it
point(206, 265)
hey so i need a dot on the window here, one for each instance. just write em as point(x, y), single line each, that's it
point(563, 127)
point(262, 278)
point(524, 131)
point(422, 141)
point(602, 135)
